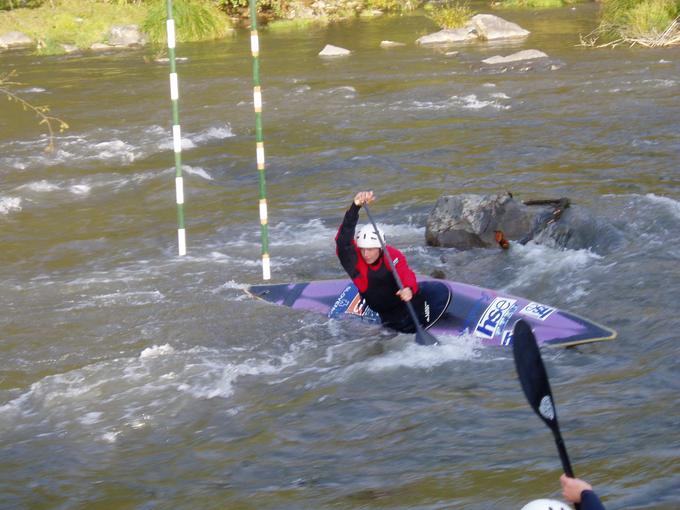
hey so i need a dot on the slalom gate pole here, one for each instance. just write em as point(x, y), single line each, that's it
point(176, 133)
point(257, 102)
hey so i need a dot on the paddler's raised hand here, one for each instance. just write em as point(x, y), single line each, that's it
point(363, 197)
point(405, 294)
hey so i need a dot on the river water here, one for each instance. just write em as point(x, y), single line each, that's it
point(135, 379)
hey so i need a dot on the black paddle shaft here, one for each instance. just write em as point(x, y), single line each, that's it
point(422, 336)
point(534, 380)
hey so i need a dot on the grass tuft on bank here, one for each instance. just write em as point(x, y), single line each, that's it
point(649, 23)
point(196, 20)
point(450, 13)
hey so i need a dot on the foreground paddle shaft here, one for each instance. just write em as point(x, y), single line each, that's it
point(534, 379)
point(422, 336)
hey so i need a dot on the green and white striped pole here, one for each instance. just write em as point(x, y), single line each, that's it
point(176, 133)
point(257, 102)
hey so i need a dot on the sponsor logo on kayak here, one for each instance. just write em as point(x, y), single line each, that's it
point(494, 317)
point(427, 312)
point(537, 311)
point(342, 302)
point(357, 306)
point(506, 339)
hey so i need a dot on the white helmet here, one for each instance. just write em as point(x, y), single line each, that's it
point(367, 238)
point(546, 504)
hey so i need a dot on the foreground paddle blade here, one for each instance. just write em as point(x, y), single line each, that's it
point(534, 380)
point(532, 374)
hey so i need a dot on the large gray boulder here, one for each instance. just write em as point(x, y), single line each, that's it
point(469, 221)
point(491, 28)
point(14, 39)
point(481, 27)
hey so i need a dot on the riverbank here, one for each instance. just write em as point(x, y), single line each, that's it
point(65, 26)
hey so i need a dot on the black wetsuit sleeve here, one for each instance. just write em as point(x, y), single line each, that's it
point(590, 501)
point(343, 241)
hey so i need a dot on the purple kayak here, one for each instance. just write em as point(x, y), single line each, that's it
point(449, 309)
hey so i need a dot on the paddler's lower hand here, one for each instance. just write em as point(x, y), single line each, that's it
point(405, 294)
point(363, 197)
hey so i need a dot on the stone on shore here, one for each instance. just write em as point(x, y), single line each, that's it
point(515, 57)
point(333, 51)
point(126, 36)
point(101, 47)
point(14, 39)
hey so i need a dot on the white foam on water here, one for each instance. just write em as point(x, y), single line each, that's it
point(538, 262)
point(157, 350)
point(9, 204)
point(312, 233)
point(404, 353)
point(80, 189)
point(91, 418)
point(672, 205)
point(115, 150)
point(43, 186)
point(32, 90)
point(348, 92)
point(135, 298)
point(108, 398)
point(468, 102)
point(213, 133)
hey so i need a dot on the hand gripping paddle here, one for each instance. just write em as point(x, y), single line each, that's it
point(534, 380)
point(422, 337)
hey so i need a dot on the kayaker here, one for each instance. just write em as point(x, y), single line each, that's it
point(361, 255)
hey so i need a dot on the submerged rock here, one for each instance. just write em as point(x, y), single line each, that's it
point(515, 57)
point(334, 51)
point(391, 44)
point(448, 35)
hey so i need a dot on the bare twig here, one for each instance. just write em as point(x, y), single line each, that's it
point(41, 111)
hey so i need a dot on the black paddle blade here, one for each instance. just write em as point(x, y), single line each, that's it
point(532, 374)
point(534, 380)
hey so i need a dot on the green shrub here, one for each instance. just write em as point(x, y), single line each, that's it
point(450, 14)
point(195, 20)
point(650, 18)
point(7, 5)
point(534, 4)
point(396, 6)
point(637, 18)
